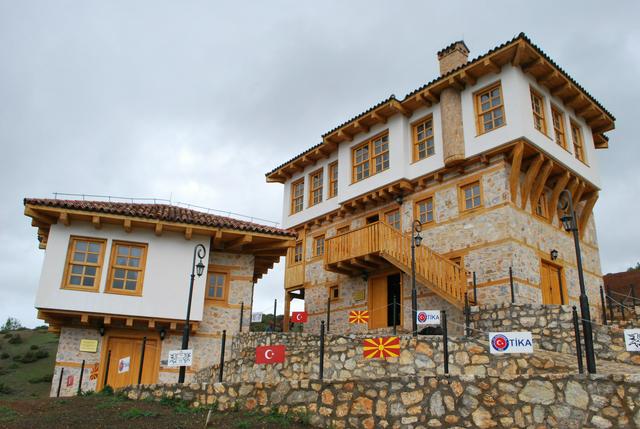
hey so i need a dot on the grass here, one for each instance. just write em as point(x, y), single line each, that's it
point(26, 364)
point(136, 413)
point(7, 414)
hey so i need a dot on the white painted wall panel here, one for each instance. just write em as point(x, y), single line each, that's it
point(166, 279)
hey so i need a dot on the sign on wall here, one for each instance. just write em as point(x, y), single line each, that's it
point(124, 364)
point(428, 317)
point(270, 354)
point(180, 358)
point(510, 342)
point(299, 317)
point(70, 381)
point(632, 340)
point(256, 317)
point(358, 295)
point(89, 346)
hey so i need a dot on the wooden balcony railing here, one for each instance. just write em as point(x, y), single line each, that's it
point(379, 239)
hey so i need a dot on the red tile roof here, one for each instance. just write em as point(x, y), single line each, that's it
point(621, 284)
point(163, 212)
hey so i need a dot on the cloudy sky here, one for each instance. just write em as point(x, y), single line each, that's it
point(196, 100)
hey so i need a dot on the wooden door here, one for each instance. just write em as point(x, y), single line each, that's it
point(551, 284)
point(121, 348)
point(378, 302)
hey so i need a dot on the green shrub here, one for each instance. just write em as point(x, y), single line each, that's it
point(15, 339)
point(29, 357)
point(8, 335)
point(42, 379)
point(41, 354)
point(136, 413)
point(11, 324)
point(5, 390)
point(34, 347)
point(5, 355)
point(17, 358)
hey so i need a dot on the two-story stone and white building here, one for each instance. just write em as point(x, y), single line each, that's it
point(115, 273)
point(480, 156)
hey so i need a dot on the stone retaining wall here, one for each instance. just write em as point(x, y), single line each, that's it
point(552, 329)
point(569, 401)
point(421, 356)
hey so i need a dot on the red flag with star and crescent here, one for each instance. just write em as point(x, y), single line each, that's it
point(381, 347)
point(299, 317)
point(356, 316)
point(270, 354)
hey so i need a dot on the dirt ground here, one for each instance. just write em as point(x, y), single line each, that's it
point(100, 411)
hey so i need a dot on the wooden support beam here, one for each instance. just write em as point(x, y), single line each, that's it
point(28, 211)
point(573, 185)
point(173, 326)
point(217, 240)
point(558, 89)
point(468, 77)
point(395, 105)
point(126, 224)
point(361, 262)
point(540, 181)
point(532, 172)
point(532, 64)
point(129, 322)
point(158, 229)
point(378, 117)
point(578, 193)
point(586, 212)
point(548, 77)
point(106, 320)
point(455, 83)
point(95, 220)
point(420, 98)
point(560, 184)
point(238, 242)
point(64, 218)
point(516, 163)
point(84, 319)
point(188, 233)
point(518, 54)
point(363, 128)
point(492, 65)
point(152, 324)
point(344, 135)
point(343, 266)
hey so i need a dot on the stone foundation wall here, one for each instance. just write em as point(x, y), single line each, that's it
point(70, 358)
point(569, 401)
point(421, 356)
point(552, 329)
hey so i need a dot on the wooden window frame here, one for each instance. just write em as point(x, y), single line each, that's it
point(578, 149)
point(68, 262)
point(461, 197)
point(386, 214)
point(417, 142)
point(371, 157)
point(295, 198)
point(293, 253)
point(535, 95)
point(477, 104)
point(416, 210)
point(559, 131)
point(545, 209)
point(227, 283)
point(317, 190)
point(333, 182)
point(141, 271)
point(315, 246)
point(333, 287)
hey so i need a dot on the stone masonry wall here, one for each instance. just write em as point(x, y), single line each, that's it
point(568, 401)
point(552, 329)
point(70, 358)
point(421, 356)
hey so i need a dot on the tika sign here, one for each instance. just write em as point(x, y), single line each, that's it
point(270, 354)
point(428, 317)
point(632, 340)
point(299, 317)
point(510, 342)
point(124, 364)
point(180, 358)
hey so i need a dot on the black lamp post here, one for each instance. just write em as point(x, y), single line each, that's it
point(200, 252)
point(569, 222)
point(416, 240)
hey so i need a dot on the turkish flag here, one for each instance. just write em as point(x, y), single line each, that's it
point(299, 317)
point(270, 354)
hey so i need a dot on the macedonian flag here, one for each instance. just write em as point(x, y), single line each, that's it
point(382, 347)
point(358, 316)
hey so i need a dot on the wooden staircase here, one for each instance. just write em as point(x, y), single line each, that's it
point(362, 249)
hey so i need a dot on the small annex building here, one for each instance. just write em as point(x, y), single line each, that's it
point(115, 273)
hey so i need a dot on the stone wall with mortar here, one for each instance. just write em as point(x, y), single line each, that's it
point(569, 401)
point(422, 356)
point(70, 358)
point(552, 329)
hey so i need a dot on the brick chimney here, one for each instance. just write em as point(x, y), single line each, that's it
point(453, 56)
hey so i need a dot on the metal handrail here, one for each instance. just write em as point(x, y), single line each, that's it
point(133, 200)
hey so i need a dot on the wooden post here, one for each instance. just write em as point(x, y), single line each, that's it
point(144, 346)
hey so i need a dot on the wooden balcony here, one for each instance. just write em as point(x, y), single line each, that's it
point(370, 247)
point(294, 275)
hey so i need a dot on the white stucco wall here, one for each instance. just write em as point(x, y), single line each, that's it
point(165, 289)
point(519, 124)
